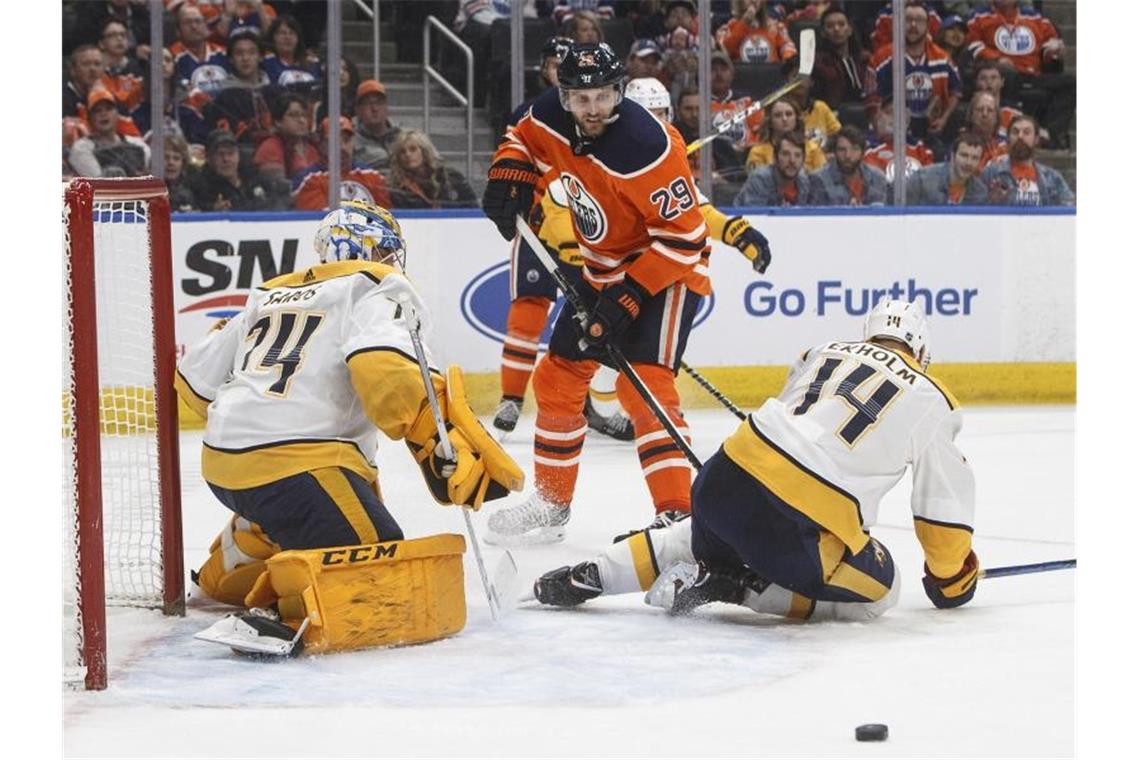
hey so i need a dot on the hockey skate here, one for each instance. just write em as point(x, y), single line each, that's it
point(507, 415)
point(569, 586)
point(663, 520)
point(616, 426)
point(257, 633)
point(685, 586)
point(535, 521)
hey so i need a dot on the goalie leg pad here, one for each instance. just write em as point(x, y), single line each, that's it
point(354, 597)
point(237, 558)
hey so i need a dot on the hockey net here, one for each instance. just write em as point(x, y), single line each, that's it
point(122, 515)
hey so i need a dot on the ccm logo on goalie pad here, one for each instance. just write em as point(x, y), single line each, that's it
point(358, 554)
point(589, 219)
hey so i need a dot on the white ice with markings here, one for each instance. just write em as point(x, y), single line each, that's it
point(614, 677)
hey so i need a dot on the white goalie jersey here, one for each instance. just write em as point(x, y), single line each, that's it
point(305, 375)
point(850, 419)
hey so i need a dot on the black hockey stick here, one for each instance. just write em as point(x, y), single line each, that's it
point(615, 354)
point(1037, 567)
point(712, 389)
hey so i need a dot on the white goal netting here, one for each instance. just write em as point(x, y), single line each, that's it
point(128, 444)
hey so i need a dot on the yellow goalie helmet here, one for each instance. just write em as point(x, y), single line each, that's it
point(360, 230)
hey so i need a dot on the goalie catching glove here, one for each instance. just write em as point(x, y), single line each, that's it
point(509, 193)
point(481, 471)
point(749, 241)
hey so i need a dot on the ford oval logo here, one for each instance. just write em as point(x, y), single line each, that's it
point(486, 300)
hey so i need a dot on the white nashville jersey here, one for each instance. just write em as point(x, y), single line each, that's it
point(856, 414)
point(278, 374)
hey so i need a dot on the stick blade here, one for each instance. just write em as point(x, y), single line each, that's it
point(807, 51)
point(505, 583)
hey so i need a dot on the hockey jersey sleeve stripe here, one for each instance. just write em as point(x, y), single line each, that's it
point(696, 234)
point(684, 245)
point(193, 398)
point(945, 545)
point(825, 503)
point(680, 258)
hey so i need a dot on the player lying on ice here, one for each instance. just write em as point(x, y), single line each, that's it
point(780, 514)
point(293, 390)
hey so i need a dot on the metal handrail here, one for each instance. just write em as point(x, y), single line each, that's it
point(431, 74)
point(374, 14)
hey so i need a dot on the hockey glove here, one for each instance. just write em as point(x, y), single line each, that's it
point(955, 591)
point(509, 192)
point(617, 307)
point(749, 241)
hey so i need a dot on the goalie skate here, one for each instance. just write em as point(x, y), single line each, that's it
point(258, 633)
point(569, 586)
point(616, 426)
point(535, 521)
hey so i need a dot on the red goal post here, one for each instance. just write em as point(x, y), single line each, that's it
point(122, 500)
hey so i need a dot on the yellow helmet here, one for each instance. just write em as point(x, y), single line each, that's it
point(360, 230)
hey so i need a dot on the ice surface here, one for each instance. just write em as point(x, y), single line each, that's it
point(614, 677)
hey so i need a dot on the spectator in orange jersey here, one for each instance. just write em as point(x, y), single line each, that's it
point(881, 154)
point(1024, 42)
point(984, 120)
point(105, 152)
point(124, 73)
point(290, 149)
point(420, 179)
point(751, 36)
point(781, 118)
point(882, 34)
point(840, 74)
point(1017, 179)
point(933, 87)
point(357, 183)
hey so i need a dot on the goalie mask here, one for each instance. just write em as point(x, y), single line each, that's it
point(649, 93)
point(360, 230)
point(902, 321)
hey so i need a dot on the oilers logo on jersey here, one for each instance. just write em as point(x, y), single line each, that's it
point(1019, 40)
point(588, 215)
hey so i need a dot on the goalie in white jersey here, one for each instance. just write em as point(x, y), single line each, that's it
point(293, 390)
point(781, 513)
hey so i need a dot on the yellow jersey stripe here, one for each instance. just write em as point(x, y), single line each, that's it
point(249, 468)
point(801, 607)
point(336, 485)
point(332, 270)
point(827, 505)
point(196, 401)
point(644, 563)
point(945, 545)
point(838, 573)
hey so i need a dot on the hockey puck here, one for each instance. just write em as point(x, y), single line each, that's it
point(871, 732)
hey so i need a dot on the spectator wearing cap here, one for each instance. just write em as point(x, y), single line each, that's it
point(85, 71)
point(287, 63)
point(933, 87)
point(952, 182)
point(311, 186)
point(290, 149)
point(240, 104)
point(727, 103)
point(123, 75)
point(223, 185)
point(951, 37)
point(846, 180)
point(881, 154)
point(840, 74)
point(781, 118)
point(104, 152)
point(198, 63)
point(781, 183)
point(644, 59)
point(1018, 179)
point(563, 9)
point(1023, 42)
point(375, 132)
point(420, 179)
point(882, 35)
point(752, 36)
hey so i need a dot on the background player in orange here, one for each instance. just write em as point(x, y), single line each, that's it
point(645, 249)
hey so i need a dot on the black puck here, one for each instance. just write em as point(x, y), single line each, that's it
point(871, 732)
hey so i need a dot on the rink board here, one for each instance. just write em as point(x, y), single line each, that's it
point(998, 288)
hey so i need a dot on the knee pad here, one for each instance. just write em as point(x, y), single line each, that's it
point(237, 558)
point(397, 592)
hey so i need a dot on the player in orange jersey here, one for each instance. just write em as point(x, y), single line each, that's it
point(645, 249)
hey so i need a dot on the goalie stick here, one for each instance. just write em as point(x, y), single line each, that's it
point(615, 354)
point(807, 62)
point(507, 564)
